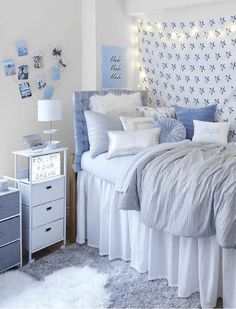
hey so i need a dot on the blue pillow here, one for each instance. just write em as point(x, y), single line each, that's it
point(187, 115)
point(171, 130)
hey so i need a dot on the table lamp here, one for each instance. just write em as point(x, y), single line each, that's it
point(50, 110)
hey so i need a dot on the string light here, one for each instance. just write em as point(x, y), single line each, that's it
point(159, 26)
point(211, 34)
point(181, 36)
point(174, 35)
point(142, 74)
point(233, 28)
point(194, 31)
point(135, 28)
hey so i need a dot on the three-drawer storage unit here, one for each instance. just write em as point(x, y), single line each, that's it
point(10, 229)
point(43, 199)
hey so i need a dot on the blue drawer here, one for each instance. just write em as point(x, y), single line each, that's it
point(9, 255)
point(9, 230)
point(9, 205)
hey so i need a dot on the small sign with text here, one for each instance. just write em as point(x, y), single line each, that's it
point(114, 71)
point(46, 166)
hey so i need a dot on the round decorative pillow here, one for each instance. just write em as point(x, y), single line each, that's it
point(171, 130)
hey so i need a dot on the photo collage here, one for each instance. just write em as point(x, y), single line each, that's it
point(23, 72)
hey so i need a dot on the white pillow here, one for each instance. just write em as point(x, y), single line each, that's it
point(125, 143)
point(158, 112)
point(117, 105)
point(210, 132)
point(138, 123)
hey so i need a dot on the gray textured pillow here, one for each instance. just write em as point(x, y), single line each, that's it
point(98, 125)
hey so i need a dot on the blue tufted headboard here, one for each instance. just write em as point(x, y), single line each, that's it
point(81, 100)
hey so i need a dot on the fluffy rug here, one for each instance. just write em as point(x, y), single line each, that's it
point(128, 288)
point(71, 287)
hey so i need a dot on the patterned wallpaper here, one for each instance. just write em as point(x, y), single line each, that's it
point(191, 64)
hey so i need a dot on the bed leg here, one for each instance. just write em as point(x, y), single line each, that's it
point(73, 198)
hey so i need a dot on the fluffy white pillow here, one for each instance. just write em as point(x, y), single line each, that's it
point(210, 132)
point(125, 143)
point(138, 123)
point(158, 112)
point(117, 105)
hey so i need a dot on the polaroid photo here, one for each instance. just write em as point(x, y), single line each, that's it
point(25, 90)
point(23, 72)
point(48, 92)
point(55, 73)
point(38, 60)
point(9, 67)
point(21, 48)
point(40, 81)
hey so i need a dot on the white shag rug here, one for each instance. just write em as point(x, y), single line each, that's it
point(71, 287)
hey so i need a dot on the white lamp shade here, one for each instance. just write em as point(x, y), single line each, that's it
point(49, 110)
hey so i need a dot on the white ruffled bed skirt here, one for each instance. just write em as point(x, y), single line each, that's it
point(190, 264)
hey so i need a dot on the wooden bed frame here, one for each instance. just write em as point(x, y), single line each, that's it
point(73, 199)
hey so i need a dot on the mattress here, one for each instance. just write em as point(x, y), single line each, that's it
point(103, 168)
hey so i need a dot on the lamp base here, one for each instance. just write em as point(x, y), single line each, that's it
point(50, 131)
point(52, 144)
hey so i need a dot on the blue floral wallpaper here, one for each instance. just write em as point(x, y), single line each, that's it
point(191, 64)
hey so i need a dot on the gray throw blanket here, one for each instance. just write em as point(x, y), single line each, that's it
point(186, 189)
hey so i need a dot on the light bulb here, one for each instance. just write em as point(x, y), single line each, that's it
point(233, 28)
point(211, 34)
point(194, 31)
point(142, 74)
point(174, 35)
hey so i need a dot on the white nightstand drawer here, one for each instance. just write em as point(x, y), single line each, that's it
point(43, 214)
point(43, 192)
point(47, 234)
point(47, 213)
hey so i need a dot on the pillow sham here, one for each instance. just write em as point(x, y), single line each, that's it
point(97, 126)
point(158, 112)
point(211, 132)
point(138, 123)
point(125, 143)
point(171, 130)
point(117, 105)
point(187, 115)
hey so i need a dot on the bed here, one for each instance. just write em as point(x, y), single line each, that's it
point(191, 264)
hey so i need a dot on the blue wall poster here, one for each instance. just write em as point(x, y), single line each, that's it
point(113, 67)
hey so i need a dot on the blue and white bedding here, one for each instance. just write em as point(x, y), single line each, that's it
point(186, 189)
point(103, 168)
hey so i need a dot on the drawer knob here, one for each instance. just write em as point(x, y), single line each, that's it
point(48, 229)
point(49, 208)
point(49, 187)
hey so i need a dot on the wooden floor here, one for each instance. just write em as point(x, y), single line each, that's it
point(44, 252)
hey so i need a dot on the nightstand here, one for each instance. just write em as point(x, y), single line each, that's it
point(43, 189)
point(10, 227)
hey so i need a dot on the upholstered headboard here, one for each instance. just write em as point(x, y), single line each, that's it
point(81, 100)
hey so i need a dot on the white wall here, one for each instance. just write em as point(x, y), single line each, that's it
point(42, 24)
point(109, 25)
point(114, 28)
point(140, 7)
point(213, 10)
point(88, 45)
